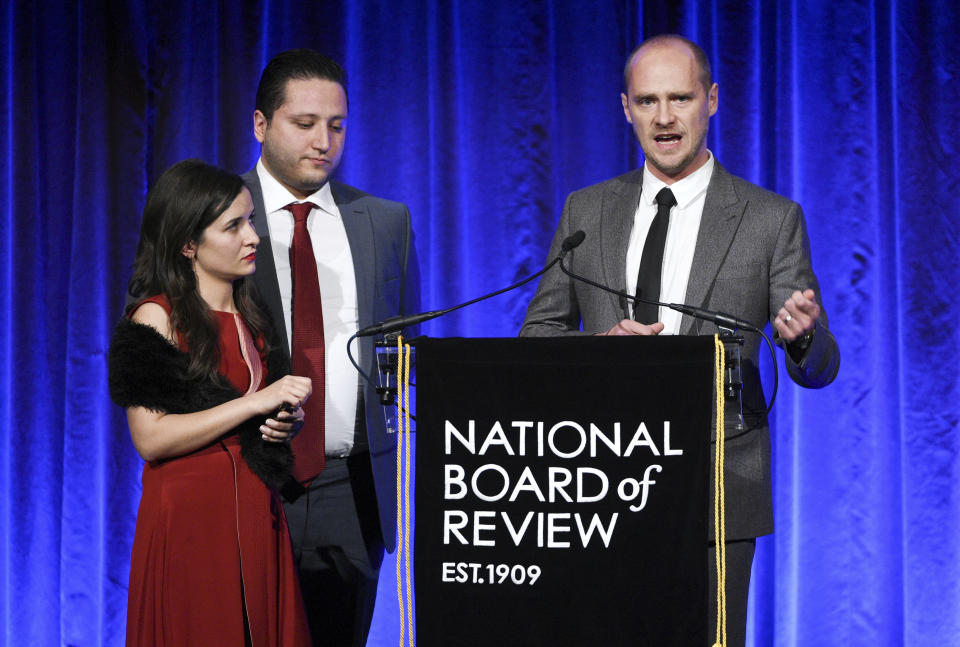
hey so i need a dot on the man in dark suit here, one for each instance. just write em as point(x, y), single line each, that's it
point(331, 260)
point(724, 244)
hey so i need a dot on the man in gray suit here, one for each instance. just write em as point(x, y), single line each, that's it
point(724, 244)
point(349, 259)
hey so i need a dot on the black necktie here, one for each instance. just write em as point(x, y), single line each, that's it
point(651, 262)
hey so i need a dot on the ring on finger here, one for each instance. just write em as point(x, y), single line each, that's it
point(787, 318)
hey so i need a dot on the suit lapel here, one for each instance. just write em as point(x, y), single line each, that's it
point(358, 223)
point(616, 222)
point(722, 212)
point(265, 276)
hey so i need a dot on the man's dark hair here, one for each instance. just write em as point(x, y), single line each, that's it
point(706, 76)
point(300, 64)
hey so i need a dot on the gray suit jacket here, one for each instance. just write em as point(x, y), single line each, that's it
point(388, 284)
point(752, 252)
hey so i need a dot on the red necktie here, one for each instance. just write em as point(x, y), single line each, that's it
point(307, 354)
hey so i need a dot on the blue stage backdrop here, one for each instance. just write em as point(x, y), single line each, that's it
point(482, 116)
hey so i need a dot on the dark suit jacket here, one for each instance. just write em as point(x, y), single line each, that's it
point(388, 284)
point(752, 252)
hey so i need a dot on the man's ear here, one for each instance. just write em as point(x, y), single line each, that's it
point(189, 250)
point(259, 126)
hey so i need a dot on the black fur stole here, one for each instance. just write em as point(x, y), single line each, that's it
point(146, 370)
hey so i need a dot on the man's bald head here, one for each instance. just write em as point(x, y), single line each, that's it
point(703, 64)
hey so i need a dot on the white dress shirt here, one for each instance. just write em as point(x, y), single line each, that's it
point(690, 192)
point(338, 296)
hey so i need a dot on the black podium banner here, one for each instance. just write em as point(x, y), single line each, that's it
point(561, 491)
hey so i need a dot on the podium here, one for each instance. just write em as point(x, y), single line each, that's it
point(561, 492)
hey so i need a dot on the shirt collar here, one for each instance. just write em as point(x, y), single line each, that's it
point(276, 196)
point(685, 191)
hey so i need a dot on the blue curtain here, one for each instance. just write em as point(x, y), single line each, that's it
point(482, 116)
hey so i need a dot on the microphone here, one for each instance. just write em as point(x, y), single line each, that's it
point(398, 323)
point(571, 242)
point(719, 318)
point(394, 324)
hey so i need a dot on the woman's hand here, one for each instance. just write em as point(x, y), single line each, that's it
point(290, 391)
point(284, 399)
point(283, 426)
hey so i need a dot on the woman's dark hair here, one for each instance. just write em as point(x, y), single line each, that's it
point(184, 201)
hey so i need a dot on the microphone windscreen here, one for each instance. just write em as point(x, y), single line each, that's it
point(573, 240)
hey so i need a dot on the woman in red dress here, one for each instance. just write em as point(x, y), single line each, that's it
point(211, 561)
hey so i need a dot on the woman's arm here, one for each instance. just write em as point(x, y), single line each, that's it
point(158, 435)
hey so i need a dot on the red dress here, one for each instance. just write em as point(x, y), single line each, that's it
point(211, 545)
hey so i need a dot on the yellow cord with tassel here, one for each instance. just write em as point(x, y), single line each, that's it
point(405, 602)
point(719, 522)
point(406, 489)
point(399, 562)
